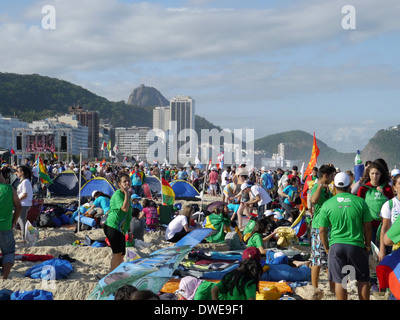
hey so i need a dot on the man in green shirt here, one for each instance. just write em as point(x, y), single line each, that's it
point(349, 220)
point(319, 194)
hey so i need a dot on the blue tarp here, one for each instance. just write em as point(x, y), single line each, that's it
point(194, 238)
point(61, 268)
point(32, 295)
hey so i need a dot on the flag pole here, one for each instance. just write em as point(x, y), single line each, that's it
point(80, 183)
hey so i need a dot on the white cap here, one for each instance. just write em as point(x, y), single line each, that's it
point(342, 179)
point(278, 215)
point(93, 193)
point(262, 168)
point(268, 213)
point(395, 172)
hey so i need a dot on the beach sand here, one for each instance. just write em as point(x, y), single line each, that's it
point(92, 263)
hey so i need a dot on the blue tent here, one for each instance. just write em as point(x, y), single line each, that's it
point(154, 184)
point(98, 184)
point(66, 184)
point(184, 190)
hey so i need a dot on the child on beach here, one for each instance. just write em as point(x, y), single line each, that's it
point(150, 213)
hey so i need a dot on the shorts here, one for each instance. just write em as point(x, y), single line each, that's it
point(116, 238)
point(7, 246)
point(213, 186)
point(319, 256)
point(343, 258)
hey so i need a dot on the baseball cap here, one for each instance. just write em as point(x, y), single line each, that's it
point(93, 193)
point(278, 215)
point(395, 172)
point(251, 253)
point(342, 179)
point(263, 169)
point(135, 196)
point(268, 213)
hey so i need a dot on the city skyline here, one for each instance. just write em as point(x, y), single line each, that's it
point(269, 66)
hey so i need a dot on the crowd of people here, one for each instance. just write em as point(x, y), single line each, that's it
point(346, 217)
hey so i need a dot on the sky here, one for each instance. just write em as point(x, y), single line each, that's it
point(271, 66)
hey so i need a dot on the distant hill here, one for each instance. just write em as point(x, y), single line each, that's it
point(298, 146)
point(35, 97)
point(386, 145)
point(143, 96)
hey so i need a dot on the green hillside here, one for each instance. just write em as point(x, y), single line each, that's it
point(298, 146)
point(34, 97)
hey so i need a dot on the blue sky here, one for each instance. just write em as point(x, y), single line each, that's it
point(271, 66)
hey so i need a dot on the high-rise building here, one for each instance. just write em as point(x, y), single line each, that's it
point(161, 118)
point(132, 142)
point(183, 112)
point(90, 119)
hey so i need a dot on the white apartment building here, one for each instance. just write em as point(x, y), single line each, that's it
point(6, 128)
point(161, 118)
point(132, 141)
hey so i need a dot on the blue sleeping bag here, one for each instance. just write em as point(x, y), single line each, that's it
point(32, 295)
point(62, 268)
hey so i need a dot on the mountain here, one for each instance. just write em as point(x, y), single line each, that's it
point(143, 96)
point(384, 144)
point(35, 97)
point(298, 146)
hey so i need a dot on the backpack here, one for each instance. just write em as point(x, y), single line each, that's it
point(268, 182)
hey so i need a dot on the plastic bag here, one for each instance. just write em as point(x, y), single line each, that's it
point(31, 234)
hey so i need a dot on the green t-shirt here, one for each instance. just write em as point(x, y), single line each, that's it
point(249, 289)
point(117, 218)
point(345, 214)
point(255, 241)
point(324, 195)
point(394, 231)
point(6, 205)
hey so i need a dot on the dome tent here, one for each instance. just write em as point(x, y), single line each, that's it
point(66, 184)
point(97, 184)
point(184, 190)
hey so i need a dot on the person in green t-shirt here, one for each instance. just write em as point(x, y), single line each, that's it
point(256, 239)
point(241, 283)
point(349, 220)
point(392, 236)
point(8, 219)
point(119, 219)
point(319, 194)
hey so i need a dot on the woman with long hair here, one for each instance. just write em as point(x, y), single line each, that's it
point(180, 225)
point(25, 195)
point(118, 219)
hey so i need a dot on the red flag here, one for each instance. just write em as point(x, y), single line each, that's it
point(313, 159)
point(12, 151)
point(210, 164)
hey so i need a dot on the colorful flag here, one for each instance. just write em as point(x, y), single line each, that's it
point(210, 164)
point(168, 194)
point(221, 160)
point(12, 151)
point(55, 156)
point(103, 145)
point(42, 171)
point(300, 225)
point(109, 145)
point(103, 162)
point(388, 273)
point(313, 159)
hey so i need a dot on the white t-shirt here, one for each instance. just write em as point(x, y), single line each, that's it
point(25, 186)
point(264, 196)
point(391, 214)
point(175, 226)
point(88, 174)
point(225, 175)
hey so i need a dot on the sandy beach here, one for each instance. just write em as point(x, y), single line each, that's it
point(92, 263)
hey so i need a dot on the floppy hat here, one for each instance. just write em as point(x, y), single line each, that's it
point(342, 179)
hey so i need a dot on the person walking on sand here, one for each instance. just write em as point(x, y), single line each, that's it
point(8, 200)
point(118, 219)
point(25, 195)
point(349, 220)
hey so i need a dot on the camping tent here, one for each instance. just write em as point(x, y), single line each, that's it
point(98, 184)
point(154, 184)
point(66, 184)
point(184, 190)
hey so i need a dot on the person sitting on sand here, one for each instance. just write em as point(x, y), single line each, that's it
point(180, 225)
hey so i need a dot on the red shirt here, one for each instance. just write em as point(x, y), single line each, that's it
point(213, 177)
